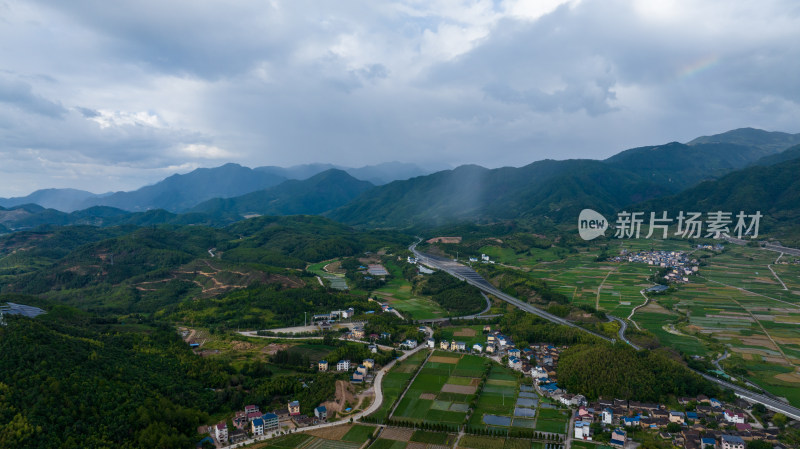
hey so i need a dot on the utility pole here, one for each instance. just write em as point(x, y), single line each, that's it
point(305, 320)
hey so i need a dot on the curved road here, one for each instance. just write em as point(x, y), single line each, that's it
point(473, 278)
point(469, 275)
point(376, 404)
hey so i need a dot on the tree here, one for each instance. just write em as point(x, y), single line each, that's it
point(673, 427)
point(779, 420)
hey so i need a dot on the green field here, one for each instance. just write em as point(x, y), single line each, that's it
point(735, 303)
point(395, 380)
point(425, 401)
point(546, 425)
point(421, 436)
point(397, 292)
point(387, 444)
point(359, 433)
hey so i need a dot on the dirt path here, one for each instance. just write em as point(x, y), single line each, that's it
point(748, 291)
point(646, 301)
point(763, 329)
point(600, 287)
point(776, 274)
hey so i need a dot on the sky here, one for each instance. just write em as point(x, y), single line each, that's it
point(113, 95)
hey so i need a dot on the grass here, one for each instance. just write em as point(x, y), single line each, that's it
point(359, 433)
point(422, 436)
point(549, 413)
point(478, 442)
point(546, 425)
point(448, 333)
point(387, 444)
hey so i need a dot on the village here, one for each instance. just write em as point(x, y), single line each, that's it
point(693, 423)
point(679, 264)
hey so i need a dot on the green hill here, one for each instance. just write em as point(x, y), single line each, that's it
point(546, 189)
point(680, 166)
point(320, 193)
point(774, 190)
point(768, 141)
point(786, 155)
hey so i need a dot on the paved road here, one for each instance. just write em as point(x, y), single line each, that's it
point(623, 326)
point(766, 246)
point(376, 404)
point(473, 278)
point(468, 274)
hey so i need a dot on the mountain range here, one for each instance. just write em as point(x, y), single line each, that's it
point(551, 190)
point(178, 193)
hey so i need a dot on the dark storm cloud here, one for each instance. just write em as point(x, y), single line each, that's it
point(136, 90)
point(20, 95)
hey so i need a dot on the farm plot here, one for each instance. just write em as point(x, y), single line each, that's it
point(431, 398)
point(395, 381)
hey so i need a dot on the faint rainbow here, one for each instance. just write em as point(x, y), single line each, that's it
point(699, 66)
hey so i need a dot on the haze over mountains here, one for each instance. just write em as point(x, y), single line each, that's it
point(403, 195)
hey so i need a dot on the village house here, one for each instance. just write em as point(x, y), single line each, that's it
point(618, 438)
point(731, 442)
point(734, 417)
point(294, 408)
point(514, 352)
point(250, 409)
point(677, 417)
point(369, 363)
point(477, 347)
point(271, 421)
point(582, 431)
point(444, 344)
point(515, 363)
point(490, 348)
point(409, 344)
point(608, 416)
point(431, 343)
point(538, 373)
point(322, 365)
point(321, 413)
point(707, 443)
point(221, 432)
point(253, 415)
point(343, 365)
point(459, 346)
point(358, 333)
point(238, 435)
point(257, 427)
point(373, 349)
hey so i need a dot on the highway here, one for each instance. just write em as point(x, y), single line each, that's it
point(468, 274)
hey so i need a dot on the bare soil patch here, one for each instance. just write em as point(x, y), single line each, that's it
point(445, 240)
point(344, 395)
point(788, 377)
point(273, 348)
point(439, 359)
point(460, 389)
point(428, 396)
point(465, 332)
point(392, 433)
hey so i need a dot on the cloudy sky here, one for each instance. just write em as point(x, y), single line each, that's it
point(111, 95)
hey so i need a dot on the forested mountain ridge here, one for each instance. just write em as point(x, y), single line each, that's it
point(315, 195)
point(554, 189)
